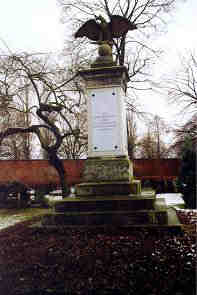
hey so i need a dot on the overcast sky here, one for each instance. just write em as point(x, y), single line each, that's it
point(179, 39)
point(31, 25)
point(34, 25)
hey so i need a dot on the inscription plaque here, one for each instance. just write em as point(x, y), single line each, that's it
point(104, 118)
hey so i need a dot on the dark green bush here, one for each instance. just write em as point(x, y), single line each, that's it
point(186, 182)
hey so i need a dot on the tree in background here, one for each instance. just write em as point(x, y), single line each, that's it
point(187, 177)
point(48, 88)
point(160, 129)
point(134, 50)
point(72, 147)
point(131, 134)
point(182, 91)
point(76, 147)
point(16, 147)
point(15, 113)
point(147, 146)
point(152, 144)
point(148, 15)
point(189, 129)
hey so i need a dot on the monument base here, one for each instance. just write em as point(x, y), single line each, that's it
point(108, 176)
point(106, 203)
point(104, 188)
point(145, 210)
point(106, 169)
point(117, 218)
point(132, 210)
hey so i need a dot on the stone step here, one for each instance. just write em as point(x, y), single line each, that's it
point(103, 188)
point(132, 186)
point(118, 218)
point(116, 203)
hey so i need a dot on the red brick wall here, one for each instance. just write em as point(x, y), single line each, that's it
point(158, 169)
point(37, 172)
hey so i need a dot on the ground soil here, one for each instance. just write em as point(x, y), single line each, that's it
point(98, 261)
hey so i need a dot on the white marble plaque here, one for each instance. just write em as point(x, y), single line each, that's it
point(104, 107)
point(106, 122)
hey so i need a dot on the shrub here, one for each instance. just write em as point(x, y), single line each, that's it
point(187, 177)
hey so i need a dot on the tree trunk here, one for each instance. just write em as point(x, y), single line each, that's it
point(57, 163)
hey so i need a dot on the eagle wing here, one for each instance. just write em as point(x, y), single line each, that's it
point(90, 29)
point(120, 25)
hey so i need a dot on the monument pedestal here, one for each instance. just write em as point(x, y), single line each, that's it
point(108, 176)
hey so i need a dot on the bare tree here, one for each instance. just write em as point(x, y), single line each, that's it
point(47, 136)
point(48, 90)
point(182, 92)
point(152, 145)
point(131, 134)
point(147, 147)
point(159, 129)
point(182, 89)
point(133, 49)
point(76, 147)
point(72, 147)
point(17, 113)
point(188, 130)
point(17, 147)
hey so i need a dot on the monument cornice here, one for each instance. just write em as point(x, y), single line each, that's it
point(118, 71)
point(105, 76)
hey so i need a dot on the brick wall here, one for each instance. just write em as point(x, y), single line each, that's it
point(38, 172)
point(158, 169)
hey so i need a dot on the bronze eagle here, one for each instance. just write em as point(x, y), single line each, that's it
point(99, 30)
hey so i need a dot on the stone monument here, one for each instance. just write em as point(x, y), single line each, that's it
point(108, 193)
point(108, 170)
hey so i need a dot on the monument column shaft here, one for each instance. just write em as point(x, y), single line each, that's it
point(107, 130)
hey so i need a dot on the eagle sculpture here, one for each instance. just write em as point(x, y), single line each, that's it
point(99, 30)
